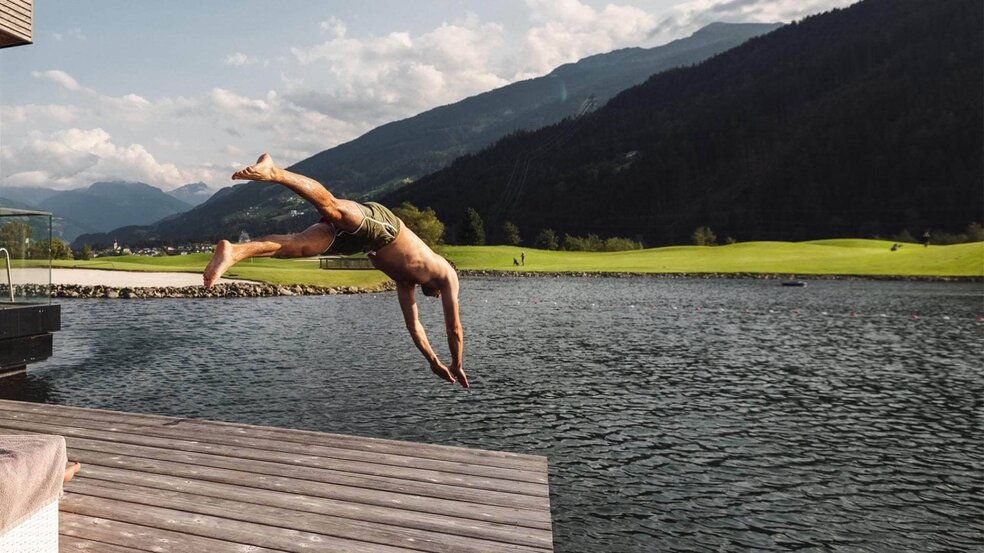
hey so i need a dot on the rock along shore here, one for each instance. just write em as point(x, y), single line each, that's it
point(230, 290)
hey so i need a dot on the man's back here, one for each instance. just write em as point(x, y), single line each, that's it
point(409, 260)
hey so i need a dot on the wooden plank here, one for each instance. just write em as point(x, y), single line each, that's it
point(29, 320)
point(11, 29)
point(368, 513)
point(16, 19)
point(311, 461)
point(327, 476)
point(215, 528)
point(26, 6)
point(15, 16)
point(429, 451)
point(23, 350)
point(433, 542)
point(539, 519)
point(72, 544)
point(285, 447)
point(144, 538)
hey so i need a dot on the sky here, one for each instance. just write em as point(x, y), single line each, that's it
point(170, 93)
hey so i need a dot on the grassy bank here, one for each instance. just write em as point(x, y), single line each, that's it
point(273, 271)
point(823, 257)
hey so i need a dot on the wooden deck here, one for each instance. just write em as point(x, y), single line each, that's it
point(152, 483)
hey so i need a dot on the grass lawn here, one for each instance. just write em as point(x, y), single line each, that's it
point(273, 271)
point(821, 257)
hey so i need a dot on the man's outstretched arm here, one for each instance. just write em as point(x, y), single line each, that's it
point(452, 324)
point(408, 305)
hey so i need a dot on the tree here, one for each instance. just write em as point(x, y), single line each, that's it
point(15, 236)
point(546, 240)
point(704, 236)
point(57, 250)
point(471, 231)
point(424, 224)
point(975, 232)
point(905, 236)
point(510, 234)
point(617, 244)
point(86, 253)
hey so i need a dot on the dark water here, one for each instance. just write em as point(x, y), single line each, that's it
point(678, 415)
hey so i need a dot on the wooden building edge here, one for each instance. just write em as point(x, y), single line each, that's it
point(16, 23)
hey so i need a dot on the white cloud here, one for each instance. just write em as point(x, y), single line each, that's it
point(77, 157)
point(334, 27)
point(171, 143)
point(568, 30)
point(689, 16)
point(75, 33)
point(239, 59)
point(376, 79)
point(57, 113)
point(58, 77)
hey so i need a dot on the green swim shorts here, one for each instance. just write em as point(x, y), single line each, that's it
point(379, 227)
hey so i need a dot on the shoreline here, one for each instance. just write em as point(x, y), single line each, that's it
point(713, 275)
point(251, 289)
point(221, 290)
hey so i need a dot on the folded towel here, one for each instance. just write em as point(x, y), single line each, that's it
point(32, 468)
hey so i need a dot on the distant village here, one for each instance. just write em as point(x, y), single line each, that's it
point(118, 249)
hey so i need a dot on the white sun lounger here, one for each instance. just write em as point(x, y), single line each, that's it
point(31, 471)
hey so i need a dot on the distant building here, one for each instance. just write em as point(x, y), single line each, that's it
point(16, 23)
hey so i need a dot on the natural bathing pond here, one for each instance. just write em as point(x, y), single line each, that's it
point(678, 415)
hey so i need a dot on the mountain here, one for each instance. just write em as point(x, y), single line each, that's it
point(27, 195)
point(15, 204)
point(399, 152)
point(63, 228)
point(192, 194)
point(405, 150)
point(856, 122)
point(107, 205)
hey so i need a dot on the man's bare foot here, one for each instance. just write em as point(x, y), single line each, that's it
point(70, 471)
point(262, 170)
point(223, 258)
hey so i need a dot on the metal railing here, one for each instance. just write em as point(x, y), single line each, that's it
point(10, 282)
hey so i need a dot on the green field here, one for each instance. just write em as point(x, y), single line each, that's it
point(822, 257)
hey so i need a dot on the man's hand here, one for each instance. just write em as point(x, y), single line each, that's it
point(454, 374)
point(459, 372)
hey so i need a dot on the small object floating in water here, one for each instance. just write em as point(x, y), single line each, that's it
point(794, 283)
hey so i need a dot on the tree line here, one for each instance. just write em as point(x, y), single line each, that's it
point(470, 231)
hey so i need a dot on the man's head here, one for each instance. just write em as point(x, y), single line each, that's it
point(430, 291)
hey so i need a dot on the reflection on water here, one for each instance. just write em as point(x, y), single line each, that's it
point(682, 415)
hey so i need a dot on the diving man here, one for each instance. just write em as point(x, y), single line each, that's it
point(347, 227)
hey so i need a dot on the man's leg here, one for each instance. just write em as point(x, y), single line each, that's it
point(314, 240)
point(344, 214)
